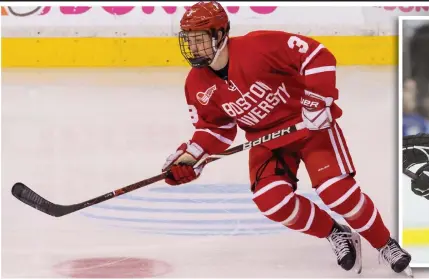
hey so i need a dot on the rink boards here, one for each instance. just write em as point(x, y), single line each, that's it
point(414, 223)
point(147, 36)
point(164, 51)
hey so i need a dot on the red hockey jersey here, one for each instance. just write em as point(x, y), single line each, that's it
point(268, 77)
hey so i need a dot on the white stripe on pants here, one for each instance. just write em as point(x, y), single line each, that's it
point(340, 150)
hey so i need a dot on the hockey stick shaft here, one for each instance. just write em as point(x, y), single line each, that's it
point(31, 198)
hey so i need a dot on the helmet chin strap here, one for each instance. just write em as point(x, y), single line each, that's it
point(216, 50)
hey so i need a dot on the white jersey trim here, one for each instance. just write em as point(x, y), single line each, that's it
point(310, 57)
point(320, 70)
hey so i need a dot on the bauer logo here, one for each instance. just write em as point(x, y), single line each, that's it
point(204, 97)
point(266, 138)
point(188, 210)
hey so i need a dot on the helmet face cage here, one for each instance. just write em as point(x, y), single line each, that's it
point(200, 47)
point(197, 47)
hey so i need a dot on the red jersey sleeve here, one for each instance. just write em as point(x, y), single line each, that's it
point(214, 129)
point(310, 59)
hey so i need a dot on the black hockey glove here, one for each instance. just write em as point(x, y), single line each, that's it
point(420, 186)
point(415, 150)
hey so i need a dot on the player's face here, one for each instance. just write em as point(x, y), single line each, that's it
point(200, 44)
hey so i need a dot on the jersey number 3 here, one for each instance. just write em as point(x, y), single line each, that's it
point(295, 41)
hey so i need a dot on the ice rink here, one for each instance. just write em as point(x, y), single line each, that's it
point(75, 134)
point(414, 218)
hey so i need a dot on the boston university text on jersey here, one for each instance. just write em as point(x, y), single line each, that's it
point(249, 109)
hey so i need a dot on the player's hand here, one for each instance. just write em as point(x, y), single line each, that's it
point(316, 112)
point(185, 164)
point(420, 186)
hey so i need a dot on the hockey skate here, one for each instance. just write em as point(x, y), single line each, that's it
point(347, 247)
point(396, 257)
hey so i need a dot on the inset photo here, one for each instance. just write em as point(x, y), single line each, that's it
point(414, 102)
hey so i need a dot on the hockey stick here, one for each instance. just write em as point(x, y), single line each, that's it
point(31, 198)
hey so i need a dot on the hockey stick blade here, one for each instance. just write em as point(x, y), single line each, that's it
point(31, 198)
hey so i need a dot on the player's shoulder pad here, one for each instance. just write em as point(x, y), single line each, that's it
point(192, 76)
point(260, 39)
point(192, 83)
point(264, 35)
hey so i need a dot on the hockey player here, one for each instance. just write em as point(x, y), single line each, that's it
point(263, 82)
